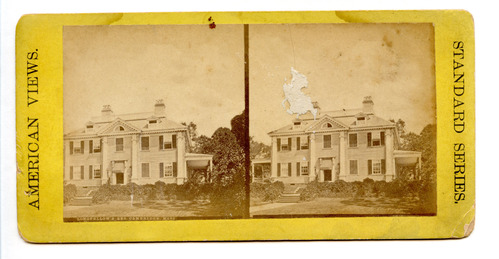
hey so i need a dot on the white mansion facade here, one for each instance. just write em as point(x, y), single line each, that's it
point(348, 145)
point(142, 148)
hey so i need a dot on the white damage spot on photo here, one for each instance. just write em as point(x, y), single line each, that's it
point(299, 103)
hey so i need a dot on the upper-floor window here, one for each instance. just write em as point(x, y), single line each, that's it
point(283, 144)
point(327, 141)
point(352, 140)
point(119, 144)
point(167, 142)
point(97, 171)
point(76, 147)
point(144, 143)
point(96, 146)
point(375, 139)
point(302, 143)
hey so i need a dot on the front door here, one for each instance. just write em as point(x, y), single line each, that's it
point(328, 175)
point(120, 178)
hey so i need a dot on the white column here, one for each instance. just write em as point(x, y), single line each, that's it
point(181, 163)
point(313, 159)
point(343, 155)
point(135, 158)
point(105, 160)
point(273, 158)
point(390, 172)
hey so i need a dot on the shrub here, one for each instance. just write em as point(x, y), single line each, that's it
point(69, 192)
point(266, 191)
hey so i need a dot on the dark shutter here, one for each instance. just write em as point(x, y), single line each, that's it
point(278, 144)
point(383, 166)
point(161, 170)
point(382, 136)
point(70, 147)
point(161, 142)
point(82, 172)
point(289, 143)
point(71, 173)
point(175, 169)
point(174, 141)
point(298, 143)
point(90, 147)
point(289, 169)
point(90, 171)
point(369, 137)
point(369, 167)
point(278, 169)
point(298, 169)
point(83, 147)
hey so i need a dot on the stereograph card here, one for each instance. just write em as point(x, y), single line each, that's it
point(245, 126)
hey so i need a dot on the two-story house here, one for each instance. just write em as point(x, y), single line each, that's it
point(350, 145)
point(142, 148)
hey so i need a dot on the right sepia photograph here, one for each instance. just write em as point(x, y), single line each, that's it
point(342, 120)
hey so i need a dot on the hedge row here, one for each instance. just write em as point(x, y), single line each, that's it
point(157, 191)
point(368, 188)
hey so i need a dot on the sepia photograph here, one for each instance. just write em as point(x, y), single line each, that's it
point(153, 125)
point(342, 120)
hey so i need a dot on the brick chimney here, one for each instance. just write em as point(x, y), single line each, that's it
point(368, 105)
point(316, 106)
point(159, 108)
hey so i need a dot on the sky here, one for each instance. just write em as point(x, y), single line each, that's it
point(197, 71)
point(393, 63)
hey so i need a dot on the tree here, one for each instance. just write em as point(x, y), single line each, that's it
point(238, 128)
point(259, 150)
point(229, 173)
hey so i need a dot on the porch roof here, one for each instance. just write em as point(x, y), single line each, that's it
point(407, 158)
point(198, 161)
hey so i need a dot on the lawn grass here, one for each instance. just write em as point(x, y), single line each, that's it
point(350, 206)
point(155, 208)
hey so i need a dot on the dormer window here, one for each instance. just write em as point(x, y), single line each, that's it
point(153, 121)
point(90, 126)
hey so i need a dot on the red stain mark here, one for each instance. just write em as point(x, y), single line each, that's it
point(212, 24)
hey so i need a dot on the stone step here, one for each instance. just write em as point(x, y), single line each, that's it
point(81, 201)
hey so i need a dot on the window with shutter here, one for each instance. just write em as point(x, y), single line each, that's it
point(71, 173)
point(82, 172)
point(352, 140)
point(369, 167)
point(161, 170)
point(175, 169)
point(145, 170)
point(278, 144)
point(297, 143)
point(298, 169)
point(161, 143)
point(327, 141)
point(278, 169)
point(174, 141)
point(119, 144)
point(353, 167)
point(144, 143)
point(70, 147)
point(90, 147)
point(289, 169)
point(382, 136)
point(90, 171)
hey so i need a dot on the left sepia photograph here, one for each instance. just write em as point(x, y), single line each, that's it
point(154, 123)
